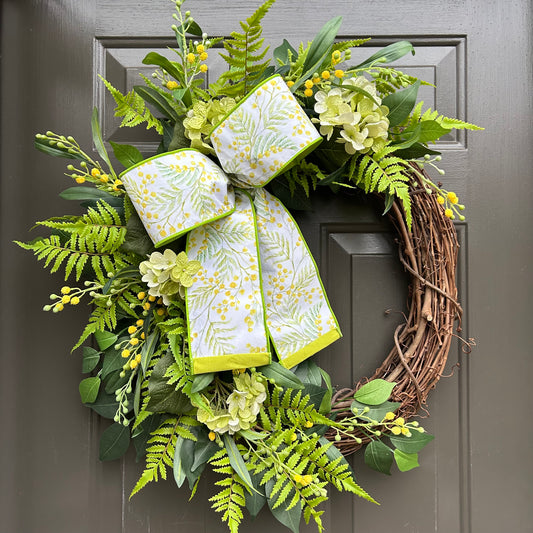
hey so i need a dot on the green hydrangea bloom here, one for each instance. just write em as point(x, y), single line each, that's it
point(167, 274)
point(362, 122)
point(202, 118)
point(244, 404)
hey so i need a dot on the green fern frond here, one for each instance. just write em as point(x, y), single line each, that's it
point(245, 56)
point(341, 46)
point(384, 175)
point(230, 500)
point(133, 109)
point(161, 449)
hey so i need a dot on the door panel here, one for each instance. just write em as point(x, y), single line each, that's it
point(473, 478)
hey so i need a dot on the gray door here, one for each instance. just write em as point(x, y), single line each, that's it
point(477, 476)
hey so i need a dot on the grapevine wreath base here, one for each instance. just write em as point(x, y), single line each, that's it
point(421, 344)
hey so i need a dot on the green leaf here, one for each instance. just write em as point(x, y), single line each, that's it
point(316, 394)
point(330, 155)
point(178, 139)
point(423, 132)
point(374, 392)
point(236, 460)
point(325, 405)
point(333, 176)
point(84, 193)
point(378, 456)
point(99, 141)
point(377, 412)
point(415, 151)
point(91, 358)
point(114, 442)
point(89, 388)
point(105, 339)
point(113, 361)
point(401, 103)
point(126, 154)
point(252, 435)
point(412, 444)
point(388, 54)
point(179, 471)
point(137, 240)
point(153, 58)
point(290, 518)
point(148, 350)
point(203, 450)
point(281, 53)
point(309, 373)
point(322, 42)
point(201, 381)
point(141, 434)
point(255, 500)
point(405, 461)
point(281, 376)
point(164, 398)
point(151, 96)
point(105, 404)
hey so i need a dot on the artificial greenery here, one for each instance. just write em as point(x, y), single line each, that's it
point(268, 432)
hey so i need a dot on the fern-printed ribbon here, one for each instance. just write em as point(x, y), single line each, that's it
point(258, 285)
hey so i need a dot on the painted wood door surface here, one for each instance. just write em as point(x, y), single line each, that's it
point(477, 476)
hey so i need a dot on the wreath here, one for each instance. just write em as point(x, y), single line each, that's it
point(197, 274)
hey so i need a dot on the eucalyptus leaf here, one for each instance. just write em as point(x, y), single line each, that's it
point(281, 53)
point(179, 471)
point(405, 461)
point(105, 339)
point(377, 412)
point(90, 361)
point(85, 193)
point(203, 450)
point(322, 42)
point(401, 103)
point(99, 141)
point(148, 349)
point(105, 404)
point(114, 442)
point(390, 53)
point(112, 361)
point(89, 388)
point(154, 98)
point(126, 154)
point(412, 444)
point(289, 518)
point(374, 392)
point(378, 456)
point(255, 500)
point(236, 460)
point(153, 58)
point(281, 376)
point(201, 381)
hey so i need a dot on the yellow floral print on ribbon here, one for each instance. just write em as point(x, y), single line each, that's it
point(264, 135)
point(176, 192)
point(225, 310)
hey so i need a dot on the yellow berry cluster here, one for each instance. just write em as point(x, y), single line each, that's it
point(69, 295)
point(303, 480)
point(196, 58)
point(398, 425)
point(451, 205)
point(149, 301)
point(96, 175)
point(131, 348)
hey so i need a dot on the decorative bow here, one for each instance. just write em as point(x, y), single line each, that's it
point(258, 284)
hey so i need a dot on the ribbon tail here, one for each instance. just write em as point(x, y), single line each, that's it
point(225, 308)
point(299, 318)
